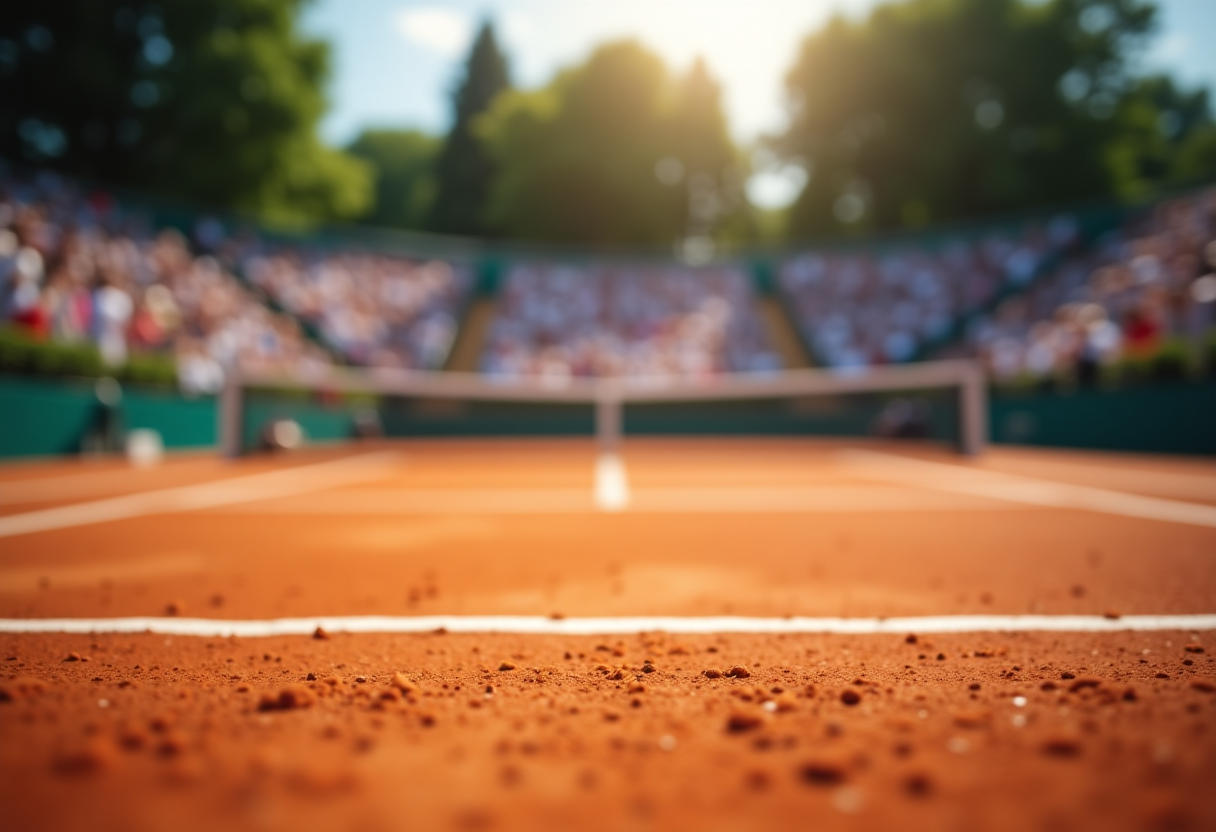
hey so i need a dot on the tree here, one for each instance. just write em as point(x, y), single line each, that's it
point(1196, 158)
point(940, 109)
point(1165, 129)
point(464, 170)
point(217, 102)
point(605, 153)
point(404, 163)
point(714, 173)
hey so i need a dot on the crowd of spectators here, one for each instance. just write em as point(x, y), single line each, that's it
point(76, 267)
point(1136, 287)
point(376, 310)
point(861, 308)
point(557, 321)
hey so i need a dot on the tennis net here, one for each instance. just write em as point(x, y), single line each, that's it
point(943, 400)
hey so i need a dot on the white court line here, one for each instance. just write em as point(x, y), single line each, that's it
point(283, 483)
point(738, 500)
point(63, 486)
point(1168, 485)
point(405, 501)
point(1019, 489)
point(611, 484)
point(540, 625)
point(825, 499)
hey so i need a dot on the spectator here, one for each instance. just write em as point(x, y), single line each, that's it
point(22, 302)
point(197, 371)
point(114, 309)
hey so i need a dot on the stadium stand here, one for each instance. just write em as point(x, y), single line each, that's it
point(77, 267)
point(374, 310)
point(867, 306)
point(604, 320)
point(1123, 297)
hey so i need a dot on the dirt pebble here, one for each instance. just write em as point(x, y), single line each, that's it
point(288, 698)
point(823, 772)
point(740, 721)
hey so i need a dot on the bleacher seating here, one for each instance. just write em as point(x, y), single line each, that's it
point(880, 304)
point(1121, 297)
point(628, 320)
point(77, 265)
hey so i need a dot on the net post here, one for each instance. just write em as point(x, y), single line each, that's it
point(230, 417)
point(608, 417)
point(973, 410)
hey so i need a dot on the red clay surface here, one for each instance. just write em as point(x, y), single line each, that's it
point(560, 743)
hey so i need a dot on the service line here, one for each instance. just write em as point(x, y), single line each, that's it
point(282, 483)
point(1016, 488)
point(541, 625)
point(740, 500)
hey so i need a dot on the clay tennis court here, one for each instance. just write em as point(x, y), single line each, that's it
point(712, 634)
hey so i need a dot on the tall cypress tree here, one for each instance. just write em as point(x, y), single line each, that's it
point(464, 170)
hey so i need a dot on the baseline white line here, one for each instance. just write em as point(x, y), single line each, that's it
point(283, 483)
point(611, 483)
point(1019, 489)
point(540, 625)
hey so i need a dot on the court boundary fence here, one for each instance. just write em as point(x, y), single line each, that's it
point(610, 395)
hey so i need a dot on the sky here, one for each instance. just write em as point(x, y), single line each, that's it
point(395, 62)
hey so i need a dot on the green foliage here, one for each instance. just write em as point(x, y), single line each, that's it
point(217, 102)
point(1172, 361)
point(768, 224)
point(1164, 132)
point(20, 353)
point(940, 109)
point(1196, 158)
point(464, 170)
point(404, 163)
point(577, 158)
point(1132, 369)
point(149, 368)
point(714, 172)
point(580, 159)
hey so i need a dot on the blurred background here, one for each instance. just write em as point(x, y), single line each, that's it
point(643, 187)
